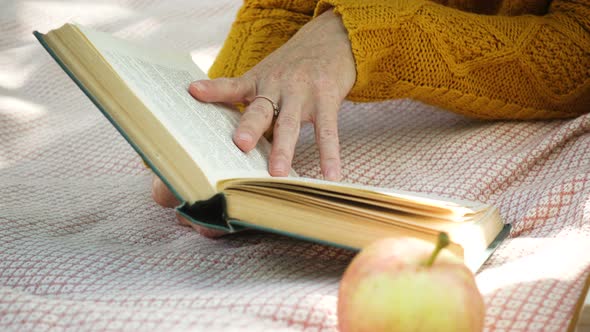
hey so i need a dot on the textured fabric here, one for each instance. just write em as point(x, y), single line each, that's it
point(506, 66)
point(84, 247)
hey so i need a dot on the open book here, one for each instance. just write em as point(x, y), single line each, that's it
point(143, 92)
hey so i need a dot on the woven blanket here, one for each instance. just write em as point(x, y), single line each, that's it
point(84, 247)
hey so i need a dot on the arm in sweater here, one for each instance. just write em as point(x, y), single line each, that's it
point(496, 67)
point(261, 27)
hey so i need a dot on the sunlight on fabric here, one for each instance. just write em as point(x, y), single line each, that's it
point(21, 109)
point(549, 262)
point(204, 57)
point(15, 110)
point(13, 77)
point(85, 12)
point(140, 30)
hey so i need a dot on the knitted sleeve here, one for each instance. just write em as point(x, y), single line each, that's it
point(495, 67)
point(261, 27)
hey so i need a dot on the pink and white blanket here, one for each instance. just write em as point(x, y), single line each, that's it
point(84, 247)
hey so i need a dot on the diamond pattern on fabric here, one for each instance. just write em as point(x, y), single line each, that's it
point(84, 247)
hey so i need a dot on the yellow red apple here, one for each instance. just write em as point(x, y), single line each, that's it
point(409, 285)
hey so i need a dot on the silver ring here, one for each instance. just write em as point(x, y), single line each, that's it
point(275, 108)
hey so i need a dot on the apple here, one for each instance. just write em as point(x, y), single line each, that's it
point(406, 284)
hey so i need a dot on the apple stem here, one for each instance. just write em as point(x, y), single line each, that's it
point(443, 241)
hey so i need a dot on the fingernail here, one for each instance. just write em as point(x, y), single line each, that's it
point(244, 137)
point(332, 175)
point(279, 167)
point(197, 86)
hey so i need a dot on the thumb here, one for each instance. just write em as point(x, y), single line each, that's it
point(224, 90)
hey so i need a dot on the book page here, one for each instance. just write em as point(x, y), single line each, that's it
point(161, 81)
point(444, 205)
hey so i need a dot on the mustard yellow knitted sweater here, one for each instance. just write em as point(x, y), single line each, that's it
point(497, 59)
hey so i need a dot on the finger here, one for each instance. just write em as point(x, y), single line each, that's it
point(285, 135)
point(164, 197)
point(326, 132)
point(206, 232)
point(161, 194)
point(224, 90)
point(256, 119)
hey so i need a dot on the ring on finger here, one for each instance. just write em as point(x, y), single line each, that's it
point(275, 107)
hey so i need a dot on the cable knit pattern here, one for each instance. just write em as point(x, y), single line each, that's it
point(502, 66)
point(260, 28)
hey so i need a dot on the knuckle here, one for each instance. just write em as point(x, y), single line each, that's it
point(307, 117)
point(251, 128)
point(300, 76)
point(233, 85)
point(282, 153)
point(259, 109)
point(288, 122)
point(325, 84)
point(246, 129)
point(222, 81)
point(275, 76)
point(327, 134)
point(330, 160)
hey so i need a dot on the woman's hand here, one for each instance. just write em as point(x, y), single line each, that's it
point(308, 77)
